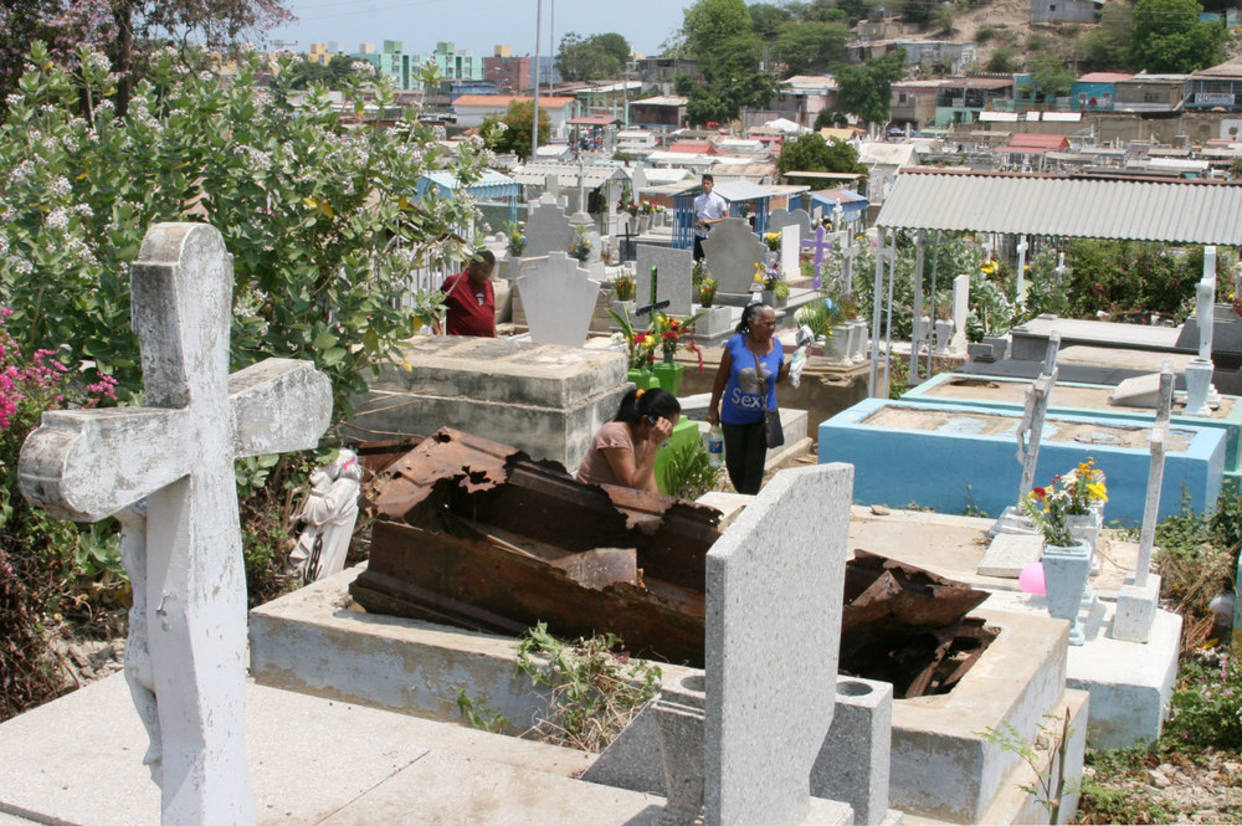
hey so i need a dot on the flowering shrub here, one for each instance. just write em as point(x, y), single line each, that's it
point(310, 198)
point(42, 558)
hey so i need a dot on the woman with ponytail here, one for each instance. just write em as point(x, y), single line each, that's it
point(751, 365)
point(623, 451)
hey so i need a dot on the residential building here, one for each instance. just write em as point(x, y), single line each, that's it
point(950, 56)
point(390, 62)
point(913, 103)
point(664, 70)
point(453, 65)
point(509, 74)
point(1218, 86)
point(799, 98)
point(661, 113)
point(1152, 93)
point(960, 100)
point(319, 53)
point(1096, 91)
point(1066, 11)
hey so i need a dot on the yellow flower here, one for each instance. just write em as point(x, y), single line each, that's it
point(1097, 491)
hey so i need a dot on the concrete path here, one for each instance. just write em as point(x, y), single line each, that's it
point(78, 761)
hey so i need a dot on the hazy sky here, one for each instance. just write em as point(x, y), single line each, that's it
point(478, 25)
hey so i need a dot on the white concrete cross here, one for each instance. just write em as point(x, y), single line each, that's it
point(1031, 429)
point(1020, 292)
point(1155, 476)
point(173, 461)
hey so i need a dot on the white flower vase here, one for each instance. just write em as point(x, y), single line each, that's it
point(1065, 578)
point(1085, 527)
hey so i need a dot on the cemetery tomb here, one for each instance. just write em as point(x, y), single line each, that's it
point(1088, 400)
point(731, 252)
point(546, 400)
point(948, 457)
point(473, 533)
point(1030, 339)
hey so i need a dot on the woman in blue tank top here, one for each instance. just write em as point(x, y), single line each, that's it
point(744, 389)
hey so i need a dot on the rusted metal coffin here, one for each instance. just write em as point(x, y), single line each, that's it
point(476, 534)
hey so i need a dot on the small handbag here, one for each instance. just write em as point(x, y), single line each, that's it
point(773, 433)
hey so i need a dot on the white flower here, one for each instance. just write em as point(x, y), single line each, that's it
point(12, 100)
point(98, 60)
point(4, 245)
point(57, 219)
point(60, 188)
point(22, 266)
point(22, 172)
point(362, 67)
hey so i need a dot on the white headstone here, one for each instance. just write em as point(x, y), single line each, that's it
point(791, 242)
point(731, 252)
point(558, 298)
point(774, 588)
point(547, 230)
point(638, 182)
point(961, 310)
point(166, 471)
point(1021, 276)
point(674, 280)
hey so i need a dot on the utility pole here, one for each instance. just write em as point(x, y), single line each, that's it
point(534, 120)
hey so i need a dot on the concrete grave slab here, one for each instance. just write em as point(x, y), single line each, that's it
point(774, 588)
point(1140, 391)
point(70, 761)
point(1009, 553)
point(547, 400)
point(558, 299)
point(674, 282)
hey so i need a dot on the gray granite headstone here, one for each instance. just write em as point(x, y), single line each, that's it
point(731, 251)
point(674, 280)
point(774, 588)
point(547, 230)
point(780, 218)
point(559, 299)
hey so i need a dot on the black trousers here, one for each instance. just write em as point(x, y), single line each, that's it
point(698, 248)
point(746, 448)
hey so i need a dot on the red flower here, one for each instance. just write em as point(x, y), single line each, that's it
point(1040, 493)
point(670, 335)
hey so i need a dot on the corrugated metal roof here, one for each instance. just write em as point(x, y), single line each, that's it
point(1170, 211)
point(567, 174)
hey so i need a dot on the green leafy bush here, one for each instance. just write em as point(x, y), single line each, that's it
point(1206, 709)
point(314, 204)
point(689, 472)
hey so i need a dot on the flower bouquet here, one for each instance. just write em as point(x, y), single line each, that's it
point(773, 240)
point(623, 287)
point(514, 239)
point(707, 291)
point(580, 247)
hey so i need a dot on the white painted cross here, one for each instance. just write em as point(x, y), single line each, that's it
point(1031, 429)
point(1020, 292)
point(173, 461)
point(1155, 476)
point(849, 252)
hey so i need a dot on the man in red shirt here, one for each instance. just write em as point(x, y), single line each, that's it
point(470, 300)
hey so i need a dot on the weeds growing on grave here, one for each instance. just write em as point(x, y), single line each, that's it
point(1046, 757)
point(689, 472)
point(594, 692)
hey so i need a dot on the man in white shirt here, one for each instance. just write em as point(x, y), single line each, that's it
point(709, 209)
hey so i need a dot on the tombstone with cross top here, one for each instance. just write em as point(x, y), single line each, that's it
point(166, 471)
point(819, 244)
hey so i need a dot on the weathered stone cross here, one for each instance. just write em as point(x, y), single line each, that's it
point(173, 461)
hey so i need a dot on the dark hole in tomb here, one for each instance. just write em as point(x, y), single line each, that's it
point(973, 383)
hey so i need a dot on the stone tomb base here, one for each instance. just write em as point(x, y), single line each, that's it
point(547, 400)
point(312, 641)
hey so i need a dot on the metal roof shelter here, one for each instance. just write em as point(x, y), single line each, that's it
point(491, 186)
point(1167, 210)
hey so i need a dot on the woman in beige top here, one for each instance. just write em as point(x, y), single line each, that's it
point(623, 451)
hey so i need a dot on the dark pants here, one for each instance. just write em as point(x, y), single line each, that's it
point(746, 447)
point(698, 248)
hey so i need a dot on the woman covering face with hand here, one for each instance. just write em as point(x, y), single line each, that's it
point(744, 389)
point(623, 451)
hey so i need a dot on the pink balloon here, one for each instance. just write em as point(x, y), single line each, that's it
point(1031, 580)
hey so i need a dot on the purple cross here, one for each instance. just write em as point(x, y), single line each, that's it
point(820, 245)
